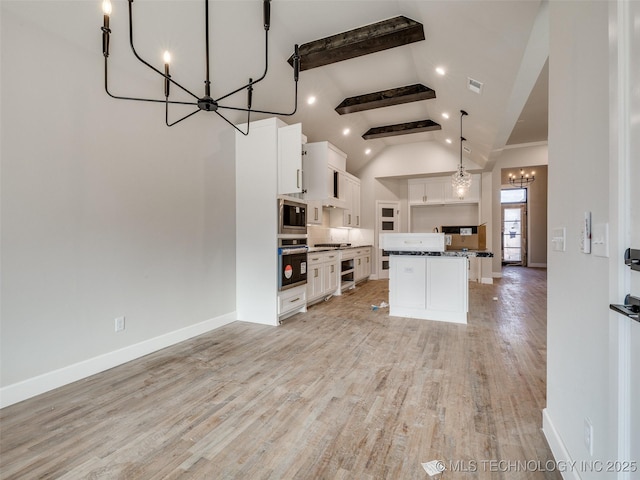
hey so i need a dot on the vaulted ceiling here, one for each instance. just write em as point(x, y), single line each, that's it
point(501, 45)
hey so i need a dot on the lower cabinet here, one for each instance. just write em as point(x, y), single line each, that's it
point(292, 300)
point(431, 288)
point(355, 266)
point(362, 264)
point(335, 271)
point(322, 275)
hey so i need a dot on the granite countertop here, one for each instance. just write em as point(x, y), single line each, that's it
point(448, 253)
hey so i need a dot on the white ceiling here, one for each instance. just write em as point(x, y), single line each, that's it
point(502, 44)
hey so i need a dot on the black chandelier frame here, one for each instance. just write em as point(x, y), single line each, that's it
point(523, 180)
point(206, 102)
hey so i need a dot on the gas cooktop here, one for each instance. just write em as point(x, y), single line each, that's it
point(332, 245)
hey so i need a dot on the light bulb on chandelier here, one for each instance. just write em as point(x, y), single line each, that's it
point(523, 180)
point(461, 180)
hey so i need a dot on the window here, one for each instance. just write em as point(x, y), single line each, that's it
point(513, 195)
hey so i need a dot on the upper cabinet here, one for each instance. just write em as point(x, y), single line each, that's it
point(350, 215)
point(290, 152)
point(438, 191)
point(426, 191)
point(324, 174)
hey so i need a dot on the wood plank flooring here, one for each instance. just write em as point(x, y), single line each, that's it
point(339, 392)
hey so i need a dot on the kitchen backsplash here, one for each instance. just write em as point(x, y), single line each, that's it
point(354, 236)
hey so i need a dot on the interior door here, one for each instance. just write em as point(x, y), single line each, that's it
point(387, 221)
point(514, 234)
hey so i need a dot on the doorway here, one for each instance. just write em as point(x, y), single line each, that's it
point(514, 226)
point(387, 221)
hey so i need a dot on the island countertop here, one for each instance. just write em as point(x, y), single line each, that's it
point(446, 253)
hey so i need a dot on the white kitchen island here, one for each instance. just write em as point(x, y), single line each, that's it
point(429, 287)
point(425, 281)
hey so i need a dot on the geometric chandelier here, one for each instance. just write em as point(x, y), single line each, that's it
point(523, 180)
point(205, 103)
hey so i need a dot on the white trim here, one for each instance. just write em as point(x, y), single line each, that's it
point(487, 281)
point(558, 449)
point(524, 145)
point(31, 387)
point(497, 274)
point(537, 265)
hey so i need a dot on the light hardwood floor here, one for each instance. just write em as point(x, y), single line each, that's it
point(341, 391)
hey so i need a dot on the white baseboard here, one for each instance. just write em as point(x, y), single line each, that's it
point(537, 265)
point(486, 280)
point(558, 449)
point(31, 387)
point(497, 274)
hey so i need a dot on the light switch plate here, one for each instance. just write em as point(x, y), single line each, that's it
point(600, 240)
point(558, 239)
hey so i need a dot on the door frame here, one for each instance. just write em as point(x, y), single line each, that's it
point(620, 214)
point(380, 273)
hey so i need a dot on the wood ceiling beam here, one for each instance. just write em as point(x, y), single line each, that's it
point(402, 129)
point(372, 38)
point(386, 98)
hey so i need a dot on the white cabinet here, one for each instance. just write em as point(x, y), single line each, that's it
point(438, 191)
point(431, 288)
point(324, 174)
point(355, 266)
point(330, 275)
point(314, 212)
point(258, 158)
point(292, 300)
point(290, 152)
point(322, 274)
point(350, 215)
point(426, 191)
point(362, 264)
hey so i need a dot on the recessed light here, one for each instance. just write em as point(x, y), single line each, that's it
point(367, 151)
point(311, 100)
point(445, 115)
point(448, 140)
point(440, 71)
point(346, 131)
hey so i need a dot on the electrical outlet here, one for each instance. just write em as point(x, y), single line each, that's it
point(588, 435)
point(119, 324)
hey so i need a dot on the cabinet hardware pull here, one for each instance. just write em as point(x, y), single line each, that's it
point(315, 210)
point(298, 178)
point(294, 300)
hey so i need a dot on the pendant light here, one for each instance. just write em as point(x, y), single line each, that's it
point(206, 102)
point(461, 180)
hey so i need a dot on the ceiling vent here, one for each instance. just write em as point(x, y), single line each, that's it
point(474, 85)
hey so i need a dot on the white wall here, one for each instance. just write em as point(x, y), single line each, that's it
point(106, 212)
point(578, 370)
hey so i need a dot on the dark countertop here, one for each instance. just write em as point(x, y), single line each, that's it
point(346, 247)
point(448, 253)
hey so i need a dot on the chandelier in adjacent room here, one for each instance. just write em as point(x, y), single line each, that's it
point(205, 102)
point(523, 180)
point(461, 180)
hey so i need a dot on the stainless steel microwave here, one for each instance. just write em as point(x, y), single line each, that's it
point(292, 217)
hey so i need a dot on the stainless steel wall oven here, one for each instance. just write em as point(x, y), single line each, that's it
point(292, 262)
